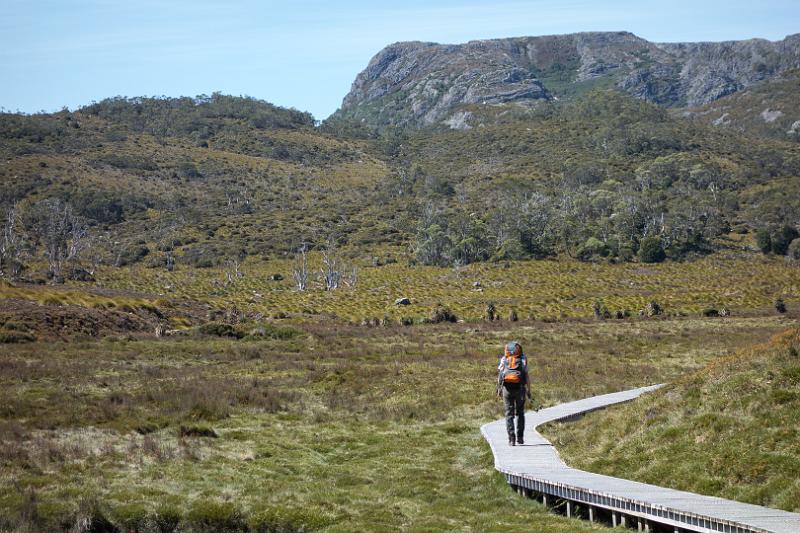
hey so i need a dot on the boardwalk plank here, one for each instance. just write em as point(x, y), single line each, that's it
point(538, 464)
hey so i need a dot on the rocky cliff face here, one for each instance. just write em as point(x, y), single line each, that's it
point(418, 84)
point(769, 109)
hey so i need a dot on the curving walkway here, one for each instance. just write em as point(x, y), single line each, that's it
point(536, 469)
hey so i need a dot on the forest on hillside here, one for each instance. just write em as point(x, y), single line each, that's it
point(210, 179)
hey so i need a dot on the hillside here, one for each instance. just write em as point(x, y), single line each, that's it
point(210, 180)
point(417, 84)
point(219, 176)
point(589, 178)
point(771, 109)
point(728, 430)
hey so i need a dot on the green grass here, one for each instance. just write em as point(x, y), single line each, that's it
point(729, 430)
point(337, 428)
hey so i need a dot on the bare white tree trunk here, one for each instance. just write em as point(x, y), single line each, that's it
point(62, 233)
point(11, 244)
point(300, 269)
point(77, 242)
point(331, 268)
point(233, 272)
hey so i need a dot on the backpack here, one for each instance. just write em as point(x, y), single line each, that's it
point(513, 368)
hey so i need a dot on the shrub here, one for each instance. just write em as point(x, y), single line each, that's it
point(198, 260)
point(491, 311)
point(217, 329)
point(782, 238)
point(15, 337)
point(442, 314)
point(600, 311)
point(11, 267)
point(188, 170)
point(626, 253)
point(651, 250)
point(592, 249)
point(780, 306)
point(794, 250)
point(512, 316)
point(132, 255)
point(710, 312)
point(764, 240)
point(157, 261)
point(80, 274)
point(652, 309)
point(101, 206)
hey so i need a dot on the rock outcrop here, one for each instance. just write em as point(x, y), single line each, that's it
point(418, 84)
point(769, 109)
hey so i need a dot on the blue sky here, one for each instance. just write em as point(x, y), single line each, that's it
point(302, 54)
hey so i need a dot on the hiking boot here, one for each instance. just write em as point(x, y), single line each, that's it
point(511, 442)
point(520, 441)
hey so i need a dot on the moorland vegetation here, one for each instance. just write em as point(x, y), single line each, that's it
point(314, 426)
point(211, 292)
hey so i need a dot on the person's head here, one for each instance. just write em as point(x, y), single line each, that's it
point(513, 348)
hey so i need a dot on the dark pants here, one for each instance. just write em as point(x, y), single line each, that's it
point(514, 398)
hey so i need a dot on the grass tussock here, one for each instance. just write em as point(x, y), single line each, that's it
point(551, 289)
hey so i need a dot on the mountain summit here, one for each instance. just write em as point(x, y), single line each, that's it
point(418, 84)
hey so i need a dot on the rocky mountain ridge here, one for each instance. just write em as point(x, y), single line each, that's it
point(770, 109)
point(419, 84)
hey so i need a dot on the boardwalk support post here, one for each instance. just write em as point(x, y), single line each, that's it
point(569, 509)
point(591, 514)
point(613, 519)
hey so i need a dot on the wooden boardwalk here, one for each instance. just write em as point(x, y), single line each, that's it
point(535, 469)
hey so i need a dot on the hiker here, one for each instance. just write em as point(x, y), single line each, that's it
point(513, 385)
